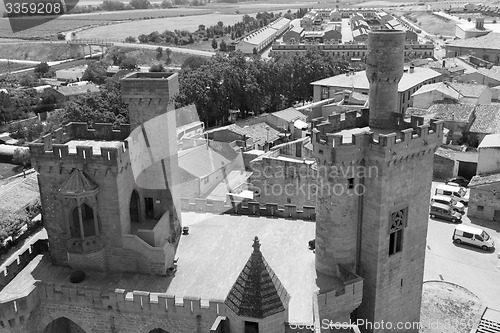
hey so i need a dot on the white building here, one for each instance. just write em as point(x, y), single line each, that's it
point(263, 37)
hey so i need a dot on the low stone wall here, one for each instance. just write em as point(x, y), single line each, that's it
point(248, 208)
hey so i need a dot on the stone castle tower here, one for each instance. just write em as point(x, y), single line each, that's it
point(375, 174)
point(103, 212)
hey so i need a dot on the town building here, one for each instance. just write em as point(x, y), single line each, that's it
point(71, 74)
point(263, 37)
point(486, 121)
point(413, 79)
point(465, 31)
point(485, 186)
point(484, 47)
point(486, 76)
point(127, 254)
point(69, 93)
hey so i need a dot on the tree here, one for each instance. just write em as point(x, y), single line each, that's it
point(22, 157)
point(129, 63)
point(27, 80)
point(254, 51)
point(166, 4)
point(143, 38)
point(130, 39)
point(223, 46)
point(159, 52)
point(191, 39)
point(168, 54)
point(194, 62)
point(96, 72)
point(157, 68)
point(41, 69)
point(220, 24)
point(201, 27)
point(214, 44)
point(140, 4)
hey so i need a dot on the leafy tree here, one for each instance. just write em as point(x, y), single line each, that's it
point(129, 63)
point(41, 69)
point(157, 68)
point(110, 5)
point(214, 44)
point(143, 38)
point(48, 101)
point(223, 46)
point(168, 54)
point(166, 4)
point(201, 27)
point(220, 24)
point(159, 52)
point(61, 36)
point(96, 72)
point(22, 157)
point(130, 39)
point(140, 4)
point(29, 130)
point(254, 51)
point(194, 62)
point(191, 39)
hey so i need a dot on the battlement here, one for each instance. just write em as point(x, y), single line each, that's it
point(57, 146)
point(11, 270)
point(248, 208)
point(343, 121)
point(344, 300)
point(332, 145)
point(133, 301)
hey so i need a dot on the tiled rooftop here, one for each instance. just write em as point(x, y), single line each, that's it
point(487, 119)
point(485, 179)
point(452, 112)
point(489, 41)
point(467, 89)
point(358, 80)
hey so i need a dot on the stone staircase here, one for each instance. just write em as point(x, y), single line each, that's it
point(490, 322)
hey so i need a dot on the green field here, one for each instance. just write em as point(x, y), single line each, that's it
point(45, 30)
point(433, 24)
point(6, 67)
point(135, 28)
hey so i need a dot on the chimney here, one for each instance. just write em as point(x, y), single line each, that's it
point(412, 69)
point(384, 69)
point(444, 63)
point(480, 23)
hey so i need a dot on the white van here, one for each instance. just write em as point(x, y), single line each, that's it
point(470, 235)
point(449, 201)
point(460, 194)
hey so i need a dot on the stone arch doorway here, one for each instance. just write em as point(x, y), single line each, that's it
point(158, 330)
point(135, 212)
point(63, 325)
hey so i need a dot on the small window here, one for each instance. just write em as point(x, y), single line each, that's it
point(350, 183)
point(447, 192)
point(205, 180)
point(398, 222)
point(480, 208)
point(467, 235)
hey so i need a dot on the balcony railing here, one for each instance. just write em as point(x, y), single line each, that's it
point(85, 245)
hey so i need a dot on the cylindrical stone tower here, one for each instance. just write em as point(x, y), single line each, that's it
point(384, 69)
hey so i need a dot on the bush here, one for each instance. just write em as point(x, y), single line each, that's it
point(77, 276)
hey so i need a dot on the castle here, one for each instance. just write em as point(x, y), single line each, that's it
point(111, 210)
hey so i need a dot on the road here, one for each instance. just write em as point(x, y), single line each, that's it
point(467, 266)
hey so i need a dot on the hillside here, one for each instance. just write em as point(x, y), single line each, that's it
point(35, 51)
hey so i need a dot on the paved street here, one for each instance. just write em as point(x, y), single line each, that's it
point(467, 266)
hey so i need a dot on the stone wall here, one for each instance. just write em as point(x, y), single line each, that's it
point(248, 208)
point(487, 196)
point(93, 311)
point(443, 167)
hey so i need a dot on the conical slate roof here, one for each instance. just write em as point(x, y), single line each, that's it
point(257, 293)
point(78, 184)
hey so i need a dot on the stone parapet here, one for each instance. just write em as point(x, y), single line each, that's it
point(330, 146)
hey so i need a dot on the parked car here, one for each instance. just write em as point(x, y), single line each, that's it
point(470, 235)
point(460, 181)
point(460, 194)
point(449, 201)
point(444, 212)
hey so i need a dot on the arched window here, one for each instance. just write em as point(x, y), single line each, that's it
point(83, 222)
point(134, 207)
point(63, 324)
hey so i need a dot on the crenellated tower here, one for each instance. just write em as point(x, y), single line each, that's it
point(374, 175)
point(107, 193)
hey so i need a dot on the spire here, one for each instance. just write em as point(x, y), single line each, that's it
point(78, 185)
point(257, 292)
